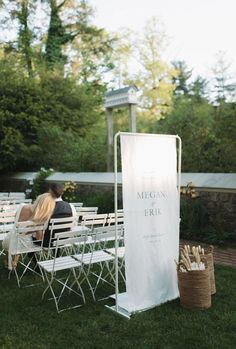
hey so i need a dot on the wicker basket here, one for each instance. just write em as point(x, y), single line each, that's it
point(210, 263)
point(195, 288)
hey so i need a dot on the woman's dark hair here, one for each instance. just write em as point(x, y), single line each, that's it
point(56, 189)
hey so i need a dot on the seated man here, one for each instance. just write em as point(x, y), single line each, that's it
point(62, 210)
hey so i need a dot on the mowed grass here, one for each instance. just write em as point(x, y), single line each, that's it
point(27, 322)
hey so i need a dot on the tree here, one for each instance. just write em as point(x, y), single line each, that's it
point(181, 79)
point(25, 33)
point(198, 89)
point(122, 58)
point(56, 37)
point(68, 152)
point(154, 76)
point(225, 133)
point(31, 106)
point(224, 87)
point(63, 37)
point(19, 16)
point(46, 105)
point(89, 53)
point(194, 123)
point(73, 41)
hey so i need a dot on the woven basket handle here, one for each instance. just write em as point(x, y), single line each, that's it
point(181, 265)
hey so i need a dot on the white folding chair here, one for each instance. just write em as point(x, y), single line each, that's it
point(121, 259)
point(83, 211)
point(56, 225)
point(8, 202)
point(24, 249)
point(7, 220)
point(63, 272)
point(17, 195)
point(111, 218)
point(77, 205)
point(92, 220)
point(104, 261)
point(17, 201)
point(9, 207)
point(3, 195)
point(2, 237)
point(107, 243)
point(4, 202)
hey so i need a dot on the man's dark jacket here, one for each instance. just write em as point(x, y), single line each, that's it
point(62, 210)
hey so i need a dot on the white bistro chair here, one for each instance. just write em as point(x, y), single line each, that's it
point(92, 220)
point(7, 220)
point(57, 225)
point(83, 211)
point(24, 249)
point(97, 262)
point(63, 273)
point(111, 218)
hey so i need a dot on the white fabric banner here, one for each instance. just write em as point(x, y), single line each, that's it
point(151, 219)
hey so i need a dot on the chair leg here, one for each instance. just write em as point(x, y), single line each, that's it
point(65, 285)
point(5, 261)
point(78, 284)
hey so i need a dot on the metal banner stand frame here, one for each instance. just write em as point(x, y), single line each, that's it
point(116, 308)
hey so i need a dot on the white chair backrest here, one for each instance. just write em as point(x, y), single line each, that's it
point(70, 242)
point(111, 218)
point(88, 210)
point(91, 220)
point(21, 201)
point(3, 194)
point(4, 208)
point(59, 225)
point(70, 237)
point(102, 235)
point(7, 216)
point(21, 240)
point(14, 201)
point(27, 227)
point(83, 211)
point(77, 205)
point(5, 200)
point(17, 195)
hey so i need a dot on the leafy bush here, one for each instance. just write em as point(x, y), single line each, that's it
point(51, 122)
point(104, 202)
point(40, 185)
point(194, 217)
point(216, 237)
point(70, 194)
point(197, 224)
point(217, 232)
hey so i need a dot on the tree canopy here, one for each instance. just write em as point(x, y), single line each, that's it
point(54, 72)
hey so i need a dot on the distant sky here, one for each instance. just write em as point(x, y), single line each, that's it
point(197, 29)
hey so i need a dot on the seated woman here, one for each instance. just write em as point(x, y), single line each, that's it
point(39, 212)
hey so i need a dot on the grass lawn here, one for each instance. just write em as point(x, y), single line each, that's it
point(26, 322)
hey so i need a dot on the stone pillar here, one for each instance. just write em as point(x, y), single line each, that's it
point(109, 140)
point(132, 117)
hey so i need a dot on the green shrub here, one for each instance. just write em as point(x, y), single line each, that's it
point(40, 186)
point(197, 224)
point(70, 192)
point(216, 237)
point(217, 232)
point(194, 217)
point(104, 202)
